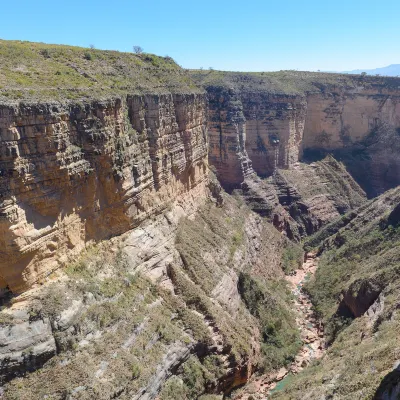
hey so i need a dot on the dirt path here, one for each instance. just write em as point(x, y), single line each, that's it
point(311, 332)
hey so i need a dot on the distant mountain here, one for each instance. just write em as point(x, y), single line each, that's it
point(390, 70)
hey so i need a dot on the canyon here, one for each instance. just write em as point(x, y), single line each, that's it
point(263, 121)
point(153, 221)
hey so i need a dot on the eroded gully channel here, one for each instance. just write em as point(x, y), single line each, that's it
point(311, 331)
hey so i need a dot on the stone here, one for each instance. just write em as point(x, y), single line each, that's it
point(81, 172)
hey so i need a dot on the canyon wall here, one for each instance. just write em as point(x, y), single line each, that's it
point(77, 172)
point(274, 120)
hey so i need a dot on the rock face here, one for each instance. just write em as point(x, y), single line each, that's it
point(138, 311)
point(300, 200)
point(72, 173)
point(227, 138)
point(274, 120)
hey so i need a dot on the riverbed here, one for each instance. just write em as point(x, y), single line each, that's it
point(311, 333)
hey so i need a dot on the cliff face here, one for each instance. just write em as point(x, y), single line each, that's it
point(282, 118)
point(143, 314)
point(275, 126)
point(228, 138)
point(300, 200)
point(72, 173)
point(361, 128)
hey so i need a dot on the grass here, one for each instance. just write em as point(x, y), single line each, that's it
point(270, 303)
point(289, 82)
point(41, 72)
point(363, 248)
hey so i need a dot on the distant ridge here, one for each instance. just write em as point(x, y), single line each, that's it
point(390, 70)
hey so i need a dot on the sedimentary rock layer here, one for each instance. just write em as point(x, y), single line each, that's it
point(271, 121)
point(76, 172)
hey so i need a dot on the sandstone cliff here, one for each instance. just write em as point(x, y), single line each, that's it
point(82, 170)
point(104, 172)
point(273, 120)
point(177, 291)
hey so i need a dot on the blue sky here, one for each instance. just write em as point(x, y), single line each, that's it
point(250, 35)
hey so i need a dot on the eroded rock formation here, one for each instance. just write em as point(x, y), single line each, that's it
point(274, 120)
point(87, 171)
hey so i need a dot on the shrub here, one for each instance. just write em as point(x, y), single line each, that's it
point(268, 302)
point(138, 49)
point(88, 56)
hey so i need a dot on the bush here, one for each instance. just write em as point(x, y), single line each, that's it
point(88, 56)
point(292, 257)
point(174, 389)
point(268, 302)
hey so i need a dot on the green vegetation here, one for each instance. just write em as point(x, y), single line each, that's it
point(39, 72)
point(287, 82)
point(292, 257)
point(269, 303)
point(359, 262)
point(355, 258)
point(194, 378)
point(215, 230)
point(317, 239)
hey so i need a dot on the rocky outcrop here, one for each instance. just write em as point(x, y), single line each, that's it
point(77, 172)
point(274, 120)
point(302, 199)
point(27, 343)
point(142, 307)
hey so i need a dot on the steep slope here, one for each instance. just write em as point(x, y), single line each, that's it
point(129, 143)
point(356, 292)
point(275, 119)
point(302, 199)
point(156, 312)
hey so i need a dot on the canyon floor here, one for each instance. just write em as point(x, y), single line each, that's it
point(311, 331)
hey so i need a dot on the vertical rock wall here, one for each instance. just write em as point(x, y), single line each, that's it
point(275, 126)
point(228, 138)
point(72, 173)
point(262, 130)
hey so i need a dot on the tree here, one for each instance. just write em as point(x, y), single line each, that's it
point(92, 46)
point(138, 49)
point(363, 73)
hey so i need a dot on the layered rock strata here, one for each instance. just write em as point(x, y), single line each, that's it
point(274, 120)
point(136, 310)
point(300, 200)
point(76, 172)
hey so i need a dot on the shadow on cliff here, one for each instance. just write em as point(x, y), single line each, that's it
point(389, 388)
point(373, 161)
point(38, 220)
point(373, 179)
